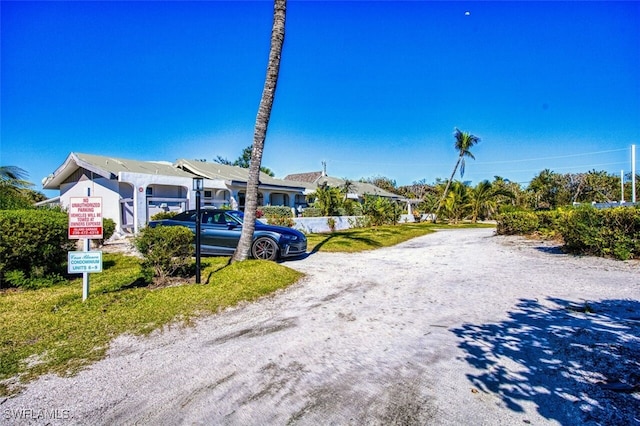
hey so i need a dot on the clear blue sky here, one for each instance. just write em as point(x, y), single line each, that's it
point(372, 88)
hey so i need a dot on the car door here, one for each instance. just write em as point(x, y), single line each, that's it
point(217, 235)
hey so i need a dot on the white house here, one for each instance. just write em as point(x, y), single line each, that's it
point(132, 191)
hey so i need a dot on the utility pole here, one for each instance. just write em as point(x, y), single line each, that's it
point(633, 173)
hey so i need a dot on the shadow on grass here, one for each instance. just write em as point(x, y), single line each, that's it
point(578, 363)
point(369, 242)
point(210, 274)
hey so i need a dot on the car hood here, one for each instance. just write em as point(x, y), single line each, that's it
point(279, 229)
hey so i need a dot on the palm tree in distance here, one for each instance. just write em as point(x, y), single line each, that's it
point(464, 142)
point(260, 131)
point(13, 177)
point(347, 187)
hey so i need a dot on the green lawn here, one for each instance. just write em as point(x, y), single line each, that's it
point(52, 330)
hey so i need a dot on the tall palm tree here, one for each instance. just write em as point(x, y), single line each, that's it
point(260, 130)
point(464, 142)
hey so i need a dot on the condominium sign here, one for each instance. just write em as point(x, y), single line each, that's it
point(85, 218)
point(84, 261)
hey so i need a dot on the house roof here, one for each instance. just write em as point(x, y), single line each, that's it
point(358, 188)
point(233, 174)
point(304, 177)
point(108, 167)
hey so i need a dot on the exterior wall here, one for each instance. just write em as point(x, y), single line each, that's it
point(319, 224)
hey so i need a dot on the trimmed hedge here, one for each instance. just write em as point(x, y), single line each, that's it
point(608, 232)
point(33, 246)
point(166, 250)
point(517, 223)
point(613, 232)
point(280, 211)
point(278, 215)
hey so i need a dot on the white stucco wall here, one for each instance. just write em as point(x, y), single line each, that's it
point(320, 224)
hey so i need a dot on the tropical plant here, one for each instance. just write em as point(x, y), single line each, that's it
point(243, 161)
point(463, 144)
point(13, 177)
point(260, 131)
point(484, 199)
point(15, 190)
point(380, 210)
point(382, 182)
point(457, 205)
point(550, 190)
point(328, 199)
point(347, 187)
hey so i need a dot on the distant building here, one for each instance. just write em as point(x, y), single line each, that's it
point(312, 180)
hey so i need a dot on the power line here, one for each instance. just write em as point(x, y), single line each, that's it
point(405, 164)
point(553, 158)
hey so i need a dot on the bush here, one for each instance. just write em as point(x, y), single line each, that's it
point(281, 211)
point(279, 215)
point(312, 212)
point(33, 246)
point(350, 208)
point(167, 250)
point(549, 222)
point(517, 223)
point(608, 232)
point(108, 228)
point(163, 215)
point(380, 211)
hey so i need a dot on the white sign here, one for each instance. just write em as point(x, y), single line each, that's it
point(85, 218)
point(84, 261)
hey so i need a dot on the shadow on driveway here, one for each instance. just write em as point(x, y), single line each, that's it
point(579, 363)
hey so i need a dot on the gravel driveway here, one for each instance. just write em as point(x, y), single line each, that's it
point(456, 327)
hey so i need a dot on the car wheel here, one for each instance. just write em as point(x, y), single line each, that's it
point(264, 248)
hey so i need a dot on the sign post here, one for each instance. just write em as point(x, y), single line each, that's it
point(85, 222)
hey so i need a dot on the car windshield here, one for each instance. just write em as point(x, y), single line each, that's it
point(236, 216)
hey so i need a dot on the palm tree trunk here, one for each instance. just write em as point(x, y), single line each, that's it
point(260, 131)
point(446, 188)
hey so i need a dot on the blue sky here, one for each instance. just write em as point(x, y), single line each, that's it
point(372, 88)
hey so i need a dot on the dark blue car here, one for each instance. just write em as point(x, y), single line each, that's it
point(221, 229)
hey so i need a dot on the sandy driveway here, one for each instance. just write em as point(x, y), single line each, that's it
point(457, 327)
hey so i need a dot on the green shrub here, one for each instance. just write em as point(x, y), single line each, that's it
point(281, 221)
point(280, 211)
point(19, 279)
point(167, 250)
point(517, 223)
point(312, 212)
point(608, 232)
point(350, 208)
point(549, 222)
point(380, 211)
point(108, 228)
point(34, 242)
point(163, 215)
point(278, 215)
